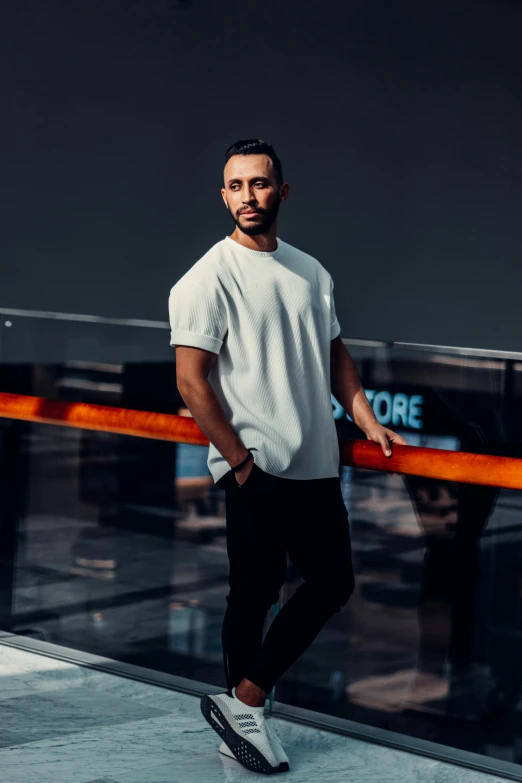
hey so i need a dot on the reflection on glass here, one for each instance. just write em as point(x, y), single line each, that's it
point(429, 644)
point(116, 545)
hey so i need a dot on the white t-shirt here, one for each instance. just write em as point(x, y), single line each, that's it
point(270, 317)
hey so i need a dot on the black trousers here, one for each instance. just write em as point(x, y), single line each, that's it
point(268, 517)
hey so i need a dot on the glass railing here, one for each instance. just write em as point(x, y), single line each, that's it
point(116, 544)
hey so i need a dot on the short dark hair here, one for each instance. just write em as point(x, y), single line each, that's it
point(256, 147)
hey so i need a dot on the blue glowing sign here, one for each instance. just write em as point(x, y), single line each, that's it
point(398, 410)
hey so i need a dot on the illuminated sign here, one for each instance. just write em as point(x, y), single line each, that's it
point(398, 410)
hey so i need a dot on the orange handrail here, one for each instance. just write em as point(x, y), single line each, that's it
point(104, 418)
point(461, 466)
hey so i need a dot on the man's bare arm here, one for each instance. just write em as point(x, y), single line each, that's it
point(346, 387)
point(192, 368)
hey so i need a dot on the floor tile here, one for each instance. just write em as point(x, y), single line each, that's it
point(63, 723)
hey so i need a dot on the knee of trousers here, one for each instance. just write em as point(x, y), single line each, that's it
point(333, 595)
point(343, 592)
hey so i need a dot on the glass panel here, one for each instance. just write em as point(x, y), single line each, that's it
point(116, 545)
point(429, 645)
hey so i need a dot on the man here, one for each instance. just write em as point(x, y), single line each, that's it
point(258, 354)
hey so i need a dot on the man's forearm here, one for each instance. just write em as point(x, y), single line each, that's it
point(347, 389)
point(208, 413)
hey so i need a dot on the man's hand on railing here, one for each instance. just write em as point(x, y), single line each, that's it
point(489, 470)
point(384, 437)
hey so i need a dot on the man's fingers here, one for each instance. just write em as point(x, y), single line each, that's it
point(386, 439)
point(400, 440)
point(385, 446)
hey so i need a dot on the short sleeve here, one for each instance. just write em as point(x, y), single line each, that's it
point(335, 326)
point(197, 316)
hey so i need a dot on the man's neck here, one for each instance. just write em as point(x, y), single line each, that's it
point(263, 243)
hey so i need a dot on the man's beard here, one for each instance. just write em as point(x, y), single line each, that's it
point(260, 225)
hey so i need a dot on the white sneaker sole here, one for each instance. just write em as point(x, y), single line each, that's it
point(225, 751)
point(244, 751)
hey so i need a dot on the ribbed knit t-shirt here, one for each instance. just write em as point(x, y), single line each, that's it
point(270, 317)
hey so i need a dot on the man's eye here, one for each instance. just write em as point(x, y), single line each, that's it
point(259, 182)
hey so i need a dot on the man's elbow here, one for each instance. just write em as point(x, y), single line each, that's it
point(188, 384)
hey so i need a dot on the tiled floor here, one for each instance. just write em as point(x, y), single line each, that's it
point(63, 723)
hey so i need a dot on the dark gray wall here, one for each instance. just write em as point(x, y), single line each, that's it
point(399, 125)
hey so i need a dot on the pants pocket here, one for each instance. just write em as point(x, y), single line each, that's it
point(252, 478)
point(229, 480)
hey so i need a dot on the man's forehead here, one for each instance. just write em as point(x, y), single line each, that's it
point(245, 166)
